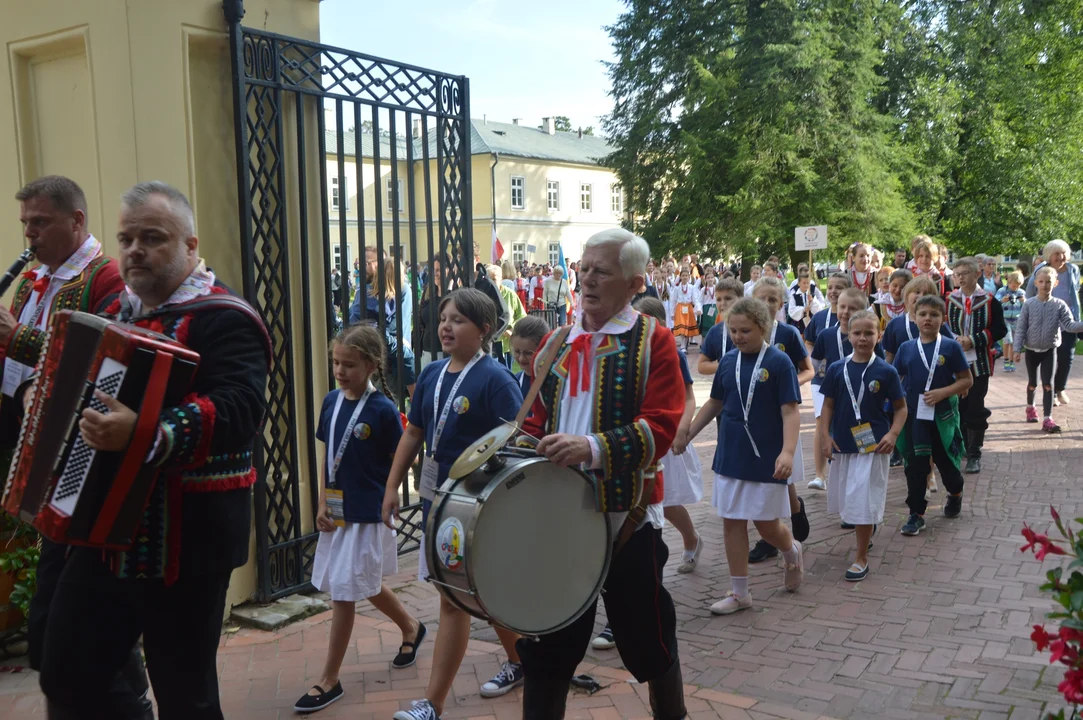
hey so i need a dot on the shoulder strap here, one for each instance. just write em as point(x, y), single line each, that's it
point(539, 378)
point(218, 301)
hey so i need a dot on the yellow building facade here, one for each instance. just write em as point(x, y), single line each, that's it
point(546, 190)
point(110, 93)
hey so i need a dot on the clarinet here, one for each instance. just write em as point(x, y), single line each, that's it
point(15, 269)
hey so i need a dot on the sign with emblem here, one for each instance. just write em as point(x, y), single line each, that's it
point(813, 237)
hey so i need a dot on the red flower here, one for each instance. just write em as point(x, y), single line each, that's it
point(1053, 512)
point(1044, 544)
point(1072, 686)
point(1041, 638)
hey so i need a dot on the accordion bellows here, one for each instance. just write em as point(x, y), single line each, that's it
point(70, 492)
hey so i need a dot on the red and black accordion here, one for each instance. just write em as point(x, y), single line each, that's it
point(70, 492)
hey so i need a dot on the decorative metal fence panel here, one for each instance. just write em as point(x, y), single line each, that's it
point(341, 150)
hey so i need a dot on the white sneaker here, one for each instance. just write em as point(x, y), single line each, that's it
point(816, 483)
point(688, 564)
point(1062, 397)
point(731, 604)
point(604, 641)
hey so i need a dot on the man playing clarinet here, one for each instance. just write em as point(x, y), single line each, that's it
point(171, 585)
point(73, 274)
point(594, 410)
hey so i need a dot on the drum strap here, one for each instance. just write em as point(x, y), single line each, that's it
point(636, 514)
point(543, 372)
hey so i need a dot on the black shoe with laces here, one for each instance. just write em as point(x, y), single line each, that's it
point(914, 525)
point(763, 550)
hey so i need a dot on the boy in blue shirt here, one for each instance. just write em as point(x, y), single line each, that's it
point(935, 372)
point(823, 320)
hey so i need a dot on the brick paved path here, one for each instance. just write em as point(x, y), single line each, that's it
point(939, 628)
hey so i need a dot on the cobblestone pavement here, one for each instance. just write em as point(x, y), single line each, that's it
point(940, 628)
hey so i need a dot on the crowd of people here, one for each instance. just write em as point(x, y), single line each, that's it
point(898, 359)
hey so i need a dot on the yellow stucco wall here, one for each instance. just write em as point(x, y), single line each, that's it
point(113, 92)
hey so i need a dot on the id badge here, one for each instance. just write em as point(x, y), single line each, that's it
point(925, 410)
point(971, 355)
point(430, 471)
point(864, 438)
point(335, 506)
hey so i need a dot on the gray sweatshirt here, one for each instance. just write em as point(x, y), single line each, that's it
point(1041, 322)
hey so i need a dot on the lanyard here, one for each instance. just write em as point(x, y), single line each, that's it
point(746, 406)
point(774, 329)
point(334, 458)
point(725, 340)
point(909, 332)
point(827, 322)
point(838, 338)
point(856, 401)
point(929, 363)
point(439, 431)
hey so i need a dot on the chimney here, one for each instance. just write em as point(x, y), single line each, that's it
point(550, 125)
point(515, 121)
point(417, 128)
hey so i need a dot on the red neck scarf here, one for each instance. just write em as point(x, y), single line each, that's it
point(580, 361)
point(40, 284)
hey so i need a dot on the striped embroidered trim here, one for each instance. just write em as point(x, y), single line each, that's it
point(646, 437)
point(206, 426)
point(24, 346)
point(218, 483)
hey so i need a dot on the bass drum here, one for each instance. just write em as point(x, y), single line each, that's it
point(518, 542)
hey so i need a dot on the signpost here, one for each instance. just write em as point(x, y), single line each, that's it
point(810, 238)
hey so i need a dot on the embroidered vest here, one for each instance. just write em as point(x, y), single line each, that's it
point(979, 322)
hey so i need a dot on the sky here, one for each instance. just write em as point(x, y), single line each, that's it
point(524, 60)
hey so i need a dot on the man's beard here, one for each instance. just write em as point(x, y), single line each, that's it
point(154, 283)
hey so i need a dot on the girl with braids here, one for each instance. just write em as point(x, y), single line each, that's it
point(360, 428)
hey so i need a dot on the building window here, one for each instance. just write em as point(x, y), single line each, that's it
point(554, 254)
point(394, 198)
point(518, 199)
point(518, 253)
point(335, 192)
point(616, 202)
point(586, 200)
point(552, 194)
point(336, 256)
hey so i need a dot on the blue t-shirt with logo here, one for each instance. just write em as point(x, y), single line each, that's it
point(826, 349)
point(686, 373)
point(366, 459)
point(777, 386)
point(950, 361)
point(895, 333)
point(717, 343)
point(825, 319)
point(488, 396)
point(788, 340)
point(882, 389)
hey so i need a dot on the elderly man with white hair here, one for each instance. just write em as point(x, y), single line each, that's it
point(1057, 254)
point(595, 411)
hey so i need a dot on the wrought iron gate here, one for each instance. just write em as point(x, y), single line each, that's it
point(364, 122)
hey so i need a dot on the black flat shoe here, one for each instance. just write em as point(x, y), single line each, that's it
point(408, 656)
point(761, 551)
point(312, 703)
point(799, 521)
point(847, 526)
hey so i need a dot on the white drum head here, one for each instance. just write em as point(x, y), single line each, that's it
point(539, 548)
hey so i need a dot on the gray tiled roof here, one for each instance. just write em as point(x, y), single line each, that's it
point(492, 137)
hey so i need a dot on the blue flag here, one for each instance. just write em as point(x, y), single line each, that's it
point(561, 262)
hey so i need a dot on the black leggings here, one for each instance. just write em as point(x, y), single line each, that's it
point(1065, 353)
point(1047, 361)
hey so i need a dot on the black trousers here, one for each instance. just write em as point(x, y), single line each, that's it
point(96, 618)
point(1065, 355)
point(130, 685)
point(918, 468)
point(1046, 362)
point(641, 616)
point(974, 416)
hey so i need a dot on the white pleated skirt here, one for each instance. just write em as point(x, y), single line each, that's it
point(857, 487)
point(682, 478)
point(749, 500)
point(352, 561)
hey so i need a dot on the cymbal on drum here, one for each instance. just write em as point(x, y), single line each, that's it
point(479, 453)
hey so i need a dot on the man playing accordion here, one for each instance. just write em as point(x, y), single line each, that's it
point(170, 587)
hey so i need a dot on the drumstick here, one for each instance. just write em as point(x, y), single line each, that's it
point(520, 430)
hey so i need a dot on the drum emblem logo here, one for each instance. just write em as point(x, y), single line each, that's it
point(449, 544)
point(461, 404)
point(764, 374)
point(362, 431)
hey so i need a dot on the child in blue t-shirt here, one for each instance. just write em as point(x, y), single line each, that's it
point(358, 426)
point(823, 320)
point(863, 413)
point(716, 342)
point(902, 328)
point(471, 393)
point(935, 372)
point(756, 392)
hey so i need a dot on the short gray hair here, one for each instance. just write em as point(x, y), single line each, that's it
point(971, 263)
point(139, 194)
point(634, 250)
point(1052, 246)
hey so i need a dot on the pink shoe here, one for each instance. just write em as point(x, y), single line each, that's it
point(1050, 427)
point(793, 574)
point(1032, 414)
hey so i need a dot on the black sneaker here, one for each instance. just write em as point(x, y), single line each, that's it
point(914, 525)
point(953, 506)
point(312, 703)
point(896, 459)
point(763, 550)
point(799, 520)
point(973, 465)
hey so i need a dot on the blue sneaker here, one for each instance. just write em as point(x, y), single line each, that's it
point(914, 525)
point(509, 678)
